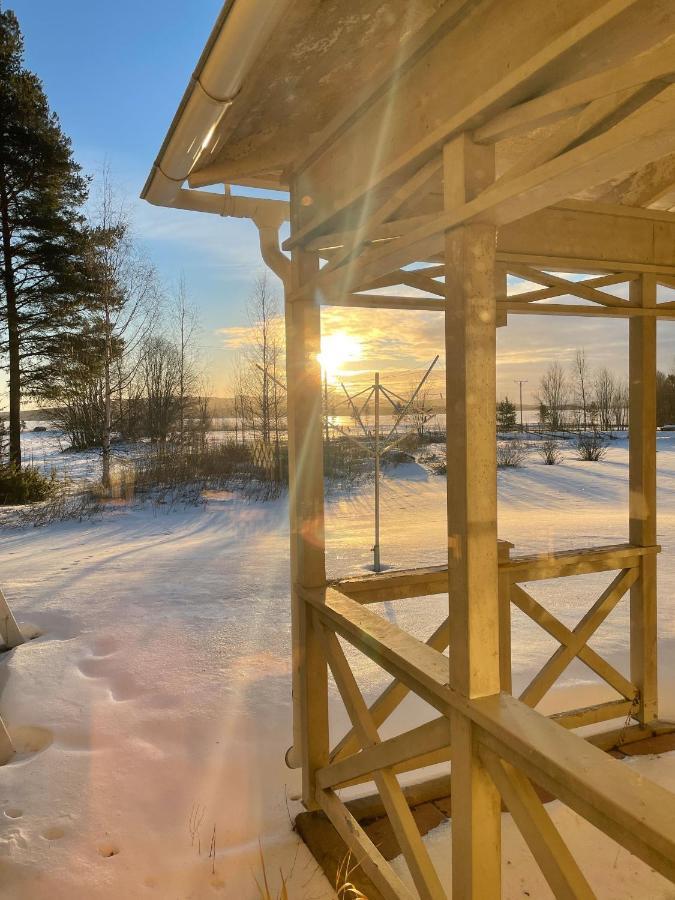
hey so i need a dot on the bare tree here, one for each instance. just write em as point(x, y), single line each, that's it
point(160, 375)
point(620, 406)
point(581, 386)
point(604, 390)
point(264, 358)
point(554, 395)
point(186, 327)
point(127, 300)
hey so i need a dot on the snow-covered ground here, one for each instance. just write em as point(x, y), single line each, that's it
point(155, 701)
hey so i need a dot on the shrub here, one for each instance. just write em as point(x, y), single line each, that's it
point(27, 485)
point(511, 454)
point(550, 452)
point(591, 446)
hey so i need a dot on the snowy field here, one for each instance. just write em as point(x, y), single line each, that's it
point(152, 711)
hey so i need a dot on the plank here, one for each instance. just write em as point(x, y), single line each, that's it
point(366, 853)
point(527, 604)
point(628, 807)
point(642, 496)
point(548, 107)
point(306, 514)
point(542, 837)
point(389, 700)
point(400, 817)
point(590, 622)
point(10, 633)
point(472, 105)
point(417, 742)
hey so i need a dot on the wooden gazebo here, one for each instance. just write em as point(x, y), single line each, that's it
point(476, 139)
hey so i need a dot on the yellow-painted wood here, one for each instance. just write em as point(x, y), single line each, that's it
point(642, 496)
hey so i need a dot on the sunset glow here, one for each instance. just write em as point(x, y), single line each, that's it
point(337, 349)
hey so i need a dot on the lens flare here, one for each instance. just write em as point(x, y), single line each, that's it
point(337, 349)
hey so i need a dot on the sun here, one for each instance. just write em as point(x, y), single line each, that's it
point(337, 349)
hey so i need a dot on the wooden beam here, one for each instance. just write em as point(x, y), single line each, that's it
point(590, 622)
point(653, 64)
point(556, 564)
point(527, 604)
point(586, 310)
point(390, 698)
point(646, 185)
point(10, 633)
point(400, 817)
point(395, 585)
point(592, 715)
point(451, 110)
point(306, 513)
point(582, 289)
point(588, 122)
point(542, 837)
point(560, 290)
point(642, 496)
point(470, 351)
point(424, 739)
point(626, 806)
point(367, 856)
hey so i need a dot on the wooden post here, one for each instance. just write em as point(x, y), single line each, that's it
point(376, 548)
point(642, 500)
point(504, 553)
point(470, 342)
point(306, 514)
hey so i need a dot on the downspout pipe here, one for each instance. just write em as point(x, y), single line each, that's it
point(271, 252)
point(240, 33)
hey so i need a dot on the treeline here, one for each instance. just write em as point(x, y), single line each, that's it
point(83, 318)
point(581, 398)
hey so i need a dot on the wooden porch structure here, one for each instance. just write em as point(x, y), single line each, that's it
point(444, 146)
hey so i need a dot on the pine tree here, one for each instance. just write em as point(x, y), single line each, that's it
point(41, 192)
point(506, 415)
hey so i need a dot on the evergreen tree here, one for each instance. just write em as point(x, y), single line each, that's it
point(41, 247)
point(506, 415)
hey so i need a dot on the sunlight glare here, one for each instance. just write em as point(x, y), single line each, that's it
point(337, 349)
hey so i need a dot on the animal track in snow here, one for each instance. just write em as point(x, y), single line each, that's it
point(121, 684)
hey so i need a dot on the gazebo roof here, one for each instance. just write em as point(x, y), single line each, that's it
point(275, 75)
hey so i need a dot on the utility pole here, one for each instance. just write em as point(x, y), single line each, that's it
point(520, 383)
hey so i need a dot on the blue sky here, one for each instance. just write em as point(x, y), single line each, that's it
point(115, 72)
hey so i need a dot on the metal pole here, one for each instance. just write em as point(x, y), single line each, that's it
point(520, 384)
point(325, 402)
point(376, 548)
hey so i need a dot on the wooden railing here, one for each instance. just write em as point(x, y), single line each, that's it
point(513, 571)
point(518, 746)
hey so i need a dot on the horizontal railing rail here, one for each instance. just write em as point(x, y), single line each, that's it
point(519, 746)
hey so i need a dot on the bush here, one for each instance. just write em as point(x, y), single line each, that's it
point(511, 454)
point(550, 453)
point(591, 446)
point(27, 485)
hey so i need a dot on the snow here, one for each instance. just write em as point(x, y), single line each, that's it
point(157, 694)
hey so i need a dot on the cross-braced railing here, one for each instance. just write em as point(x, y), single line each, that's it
point(519, 748)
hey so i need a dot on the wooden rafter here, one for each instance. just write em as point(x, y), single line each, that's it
point(649, 66)
point(487, 103)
